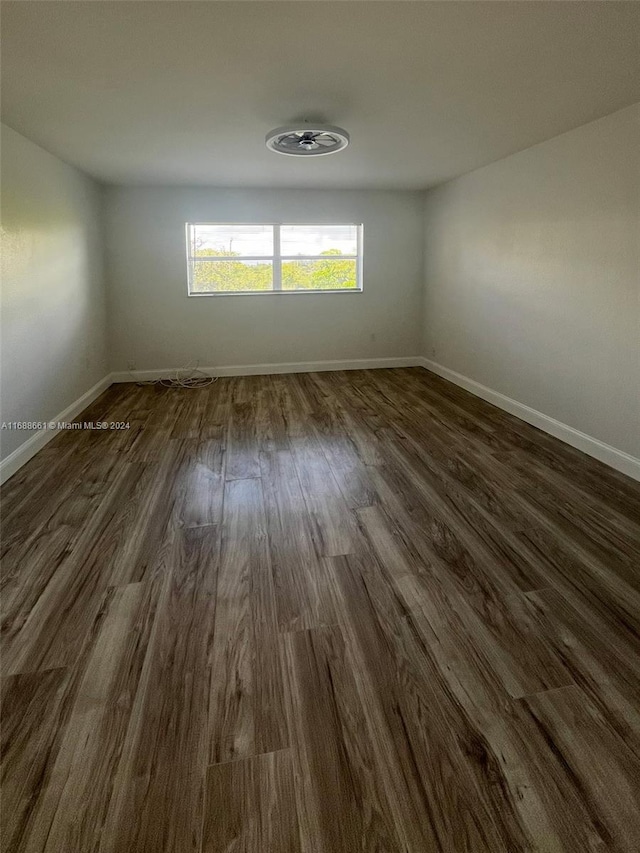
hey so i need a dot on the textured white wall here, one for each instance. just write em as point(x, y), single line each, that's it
point(53, 320)
point(532, 278)
point(154, 325)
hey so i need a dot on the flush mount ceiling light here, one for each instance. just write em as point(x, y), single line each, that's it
point(307, 140)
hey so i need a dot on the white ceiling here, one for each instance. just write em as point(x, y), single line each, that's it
point(184, 92)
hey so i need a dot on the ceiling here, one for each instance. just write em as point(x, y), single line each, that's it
point(184, 92)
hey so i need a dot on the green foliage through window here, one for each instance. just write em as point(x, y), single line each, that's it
point(222, 270)
point(229, 275)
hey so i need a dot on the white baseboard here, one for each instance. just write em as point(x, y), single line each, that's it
point(21, 455)
point(617, 459)
point(282, 367)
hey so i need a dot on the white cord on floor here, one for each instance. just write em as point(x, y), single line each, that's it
point(194, 378)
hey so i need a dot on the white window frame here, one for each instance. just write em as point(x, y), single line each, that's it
point(276, 259)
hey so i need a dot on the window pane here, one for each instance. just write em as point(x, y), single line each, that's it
point(231, 240)
point(229, 276)
point(325, 274)
point(319, 240)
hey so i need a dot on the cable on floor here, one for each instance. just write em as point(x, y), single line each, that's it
point(189, 376)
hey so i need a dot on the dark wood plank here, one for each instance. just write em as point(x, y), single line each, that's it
point(271, 420)
point(243, 445)
point(55, 628)
point(524, 771)
point(601, 526)
point(34, 710)
point(34, 550)
point(82, 776)
point(188, 423)
point(581, 577)
point(384, 540)
point(250, 805)
point(334, 528)
point(218, 407)
point(342, 804)
point(452, 559)
point(298, 574)
point(290, 401)
point(604, 770)
point(200, 482)
point(605, 667)
point(158, 787)
point(332, 435)
point(435, 781)
point(165, 408)
point(247, 702)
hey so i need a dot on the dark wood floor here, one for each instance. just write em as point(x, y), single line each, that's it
point(327, 612)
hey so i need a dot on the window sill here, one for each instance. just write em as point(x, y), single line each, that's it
point(274, 292)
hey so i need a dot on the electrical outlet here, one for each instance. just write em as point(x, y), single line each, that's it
point(433, 351)
point(131, 365)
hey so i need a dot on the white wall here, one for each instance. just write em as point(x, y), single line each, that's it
point(533, 278)
point(154, 324)
point(53, 320)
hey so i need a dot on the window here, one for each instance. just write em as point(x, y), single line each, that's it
point(226, 258)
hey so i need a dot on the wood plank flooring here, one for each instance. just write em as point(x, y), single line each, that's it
point(319, 613)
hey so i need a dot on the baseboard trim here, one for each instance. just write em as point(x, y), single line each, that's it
point(618, 459)
point(21, 455)
point(282, 367)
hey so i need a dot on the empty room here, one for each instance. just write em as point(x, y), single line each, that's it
point(320, 428)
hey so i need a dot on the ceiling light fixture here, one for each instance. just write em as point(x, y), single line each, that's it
point(307, 140)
